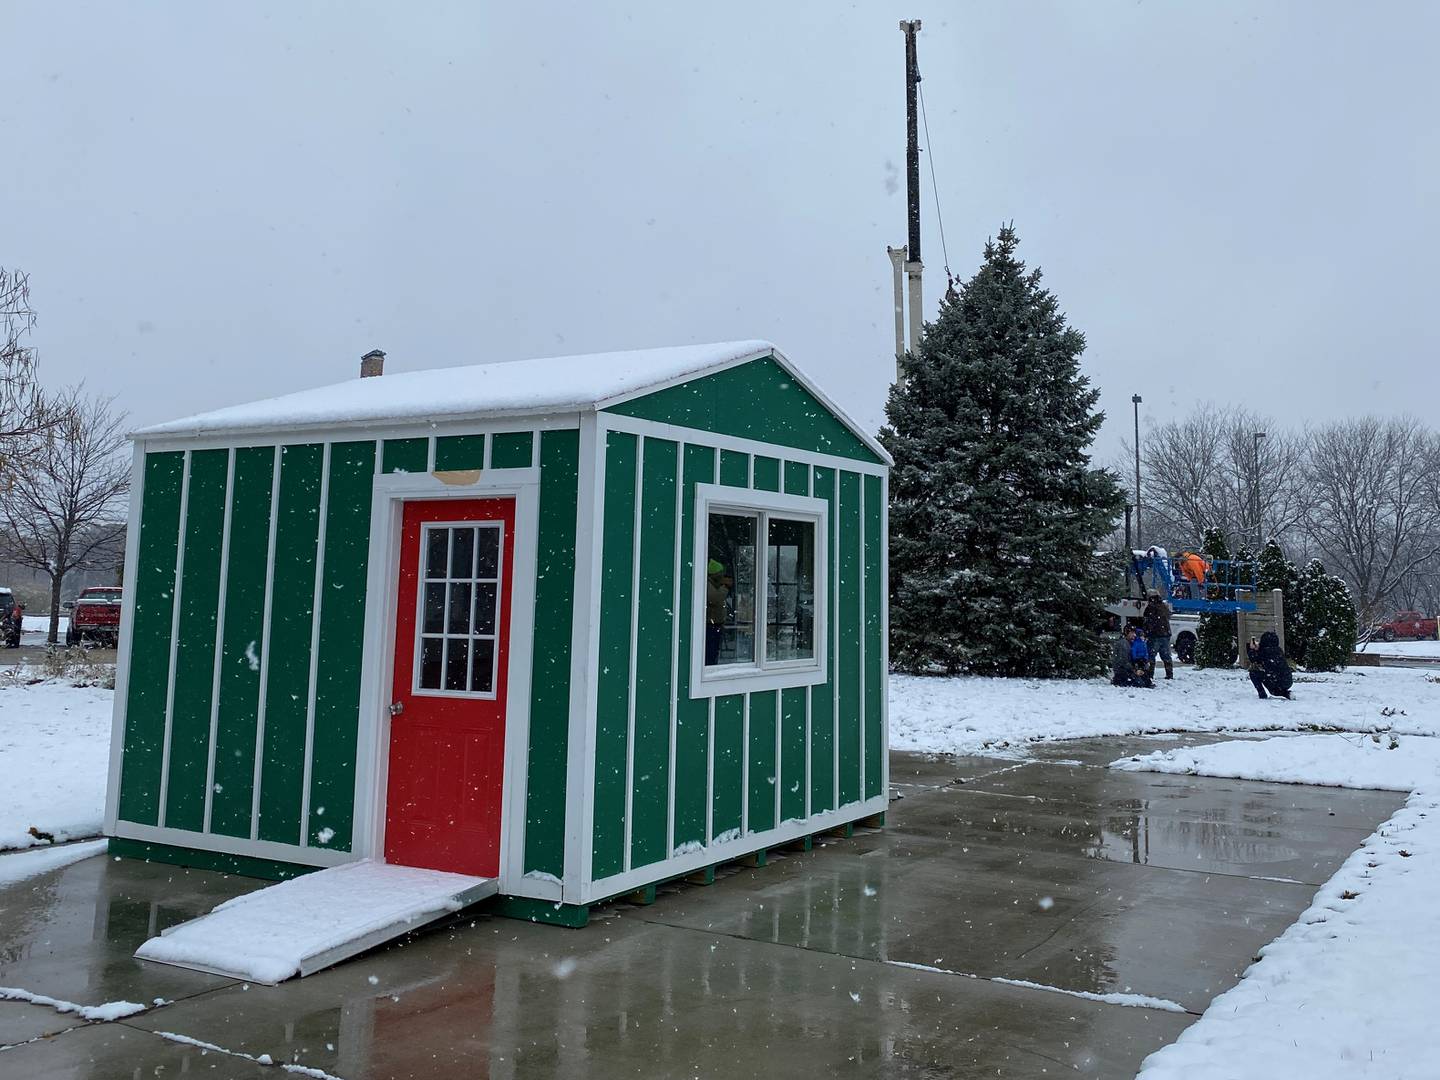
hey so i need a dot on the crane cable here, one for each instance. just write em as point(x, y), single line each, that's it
point(935, 187)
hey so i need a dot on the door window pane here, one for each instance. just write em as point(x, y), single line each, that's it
point(730, 597)
point(459, 622)
point(790, 594)
point(437, 541)
point(434, 617)
point(487, 550)
point(431, 650)
point(485, 608)
point(462, 553)
point(457, 660)
point(482, 671)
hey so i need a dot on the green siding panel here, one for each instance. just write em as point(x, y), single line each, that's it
point(692, 716)
point(797, 478)
point(512, 450)
point(874, 641)
point(729, 752)
point(734, 469)
point(756, 400)
point(195, 648)
point(405, 455)
point(613, 679)
point(792, 753)
point(767, 473)
point(153, 597)
point(653, 654)
point(848, 537)
point(459, 452)
point(550, 678)
point(822, 696)
point(763, 776)
point(288, 659)
point(242, 641)
point(341, 645)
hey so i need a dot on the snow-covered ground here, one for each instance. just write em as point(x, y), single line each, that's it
point(54, 753)
point(971, 715)
point(1350, 989)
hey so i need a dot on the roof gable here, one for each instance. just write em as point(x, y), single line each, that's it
point(761, 399)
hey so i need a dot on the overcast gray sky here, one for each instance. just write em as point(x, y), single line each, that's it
point(220, 202)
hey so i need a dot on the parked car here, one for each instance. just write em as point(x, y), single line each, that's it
point(95, 617)
point(1406, 624)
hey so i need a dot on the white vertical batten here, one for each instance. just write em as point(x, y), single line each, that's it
point(675, 648)
point(745, 765)
point(270, 554)
point(584, 663)
point(885, 637)
point(634, 641)
point(710, 701)
point(219, 635)
point(809, 691)
point(176, 598)
point(835, 636)
point(861, 541)
point(124, 644)
point(317, 599)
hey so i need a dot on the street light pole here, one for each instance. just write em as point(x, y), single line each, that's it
point(1259, 537)
point(1135, 400)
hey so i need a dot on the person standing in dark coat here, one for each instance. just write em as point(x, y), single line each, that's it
point(1269, 670)
point(1157, 633)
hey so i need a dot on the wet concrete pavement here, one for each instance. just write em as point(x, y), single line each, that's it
point(1052, 871)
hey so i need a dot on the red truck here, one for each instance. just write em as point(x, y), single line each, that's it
point(95, 617)
point(1406, 624)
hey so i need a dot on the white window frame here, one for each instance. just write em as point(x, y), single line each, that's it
point(416, 690)
point(709, 682)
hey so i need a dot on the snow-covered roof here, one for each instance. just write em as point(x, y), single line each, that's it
point(520, 387)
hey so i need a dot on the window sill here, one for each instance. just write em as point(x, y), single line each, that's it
point(750, 680)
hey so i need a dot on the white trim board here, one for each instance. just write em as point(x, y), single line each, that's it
point(487, 424)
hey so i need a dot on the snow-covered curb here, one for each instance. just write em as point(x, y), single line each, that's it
point(19, 865)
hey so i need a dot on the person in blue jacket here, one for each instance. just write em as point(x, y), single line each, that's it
point(1130, 664)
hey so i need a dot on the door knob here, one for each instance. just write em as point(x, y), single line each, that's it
point(396, 708)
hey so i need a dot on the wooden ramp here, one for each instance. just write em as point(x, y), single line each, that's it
point(300, 926)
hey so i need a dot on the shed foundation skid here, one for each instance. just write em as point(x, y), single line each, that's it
point(578, 626)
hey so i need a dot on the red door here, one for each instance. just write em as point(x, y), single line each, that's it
point(447, 726)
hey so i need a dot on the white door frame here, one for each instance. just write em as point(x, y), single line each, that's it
point(391, 492)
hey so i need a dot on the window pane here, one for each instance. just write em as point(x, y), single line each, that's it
point(730, 590)
point(434, 620)
point(459, 607)
point(487, 565)
point(462, 554)
point(457, 655)
point(430, 653)
point(435, 541)
point(482, 676)
point(484, 608)
point(790, 614)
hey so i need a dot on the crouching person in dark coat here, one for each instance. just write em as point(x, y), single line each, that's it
point(1130, 661)
point(1157, 633)
point(1269, 669)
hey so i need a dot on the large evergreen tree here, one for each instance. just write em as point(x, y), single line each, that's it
point(1215, 642)
point(1328, 619)
point(995, 511)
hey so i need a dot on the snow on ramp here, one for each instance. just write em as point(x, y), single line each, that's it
point(308, 923)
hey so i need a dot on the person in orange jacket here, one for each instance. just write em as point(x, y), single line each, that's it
point(1193, 569)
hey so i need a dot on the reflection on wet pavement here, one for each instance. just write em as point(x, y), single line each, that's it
point(1049, 871)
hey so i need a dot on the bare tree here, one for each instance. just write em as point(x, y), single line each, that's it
point(64, 510)
point(1373, 513)
point(24, 408)
point(1208, 471)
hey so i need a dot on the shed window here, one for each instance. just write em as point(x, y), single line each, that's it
point(760, 596)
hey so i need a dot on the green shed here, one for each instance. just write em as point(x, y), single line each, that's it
point(578, 625)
